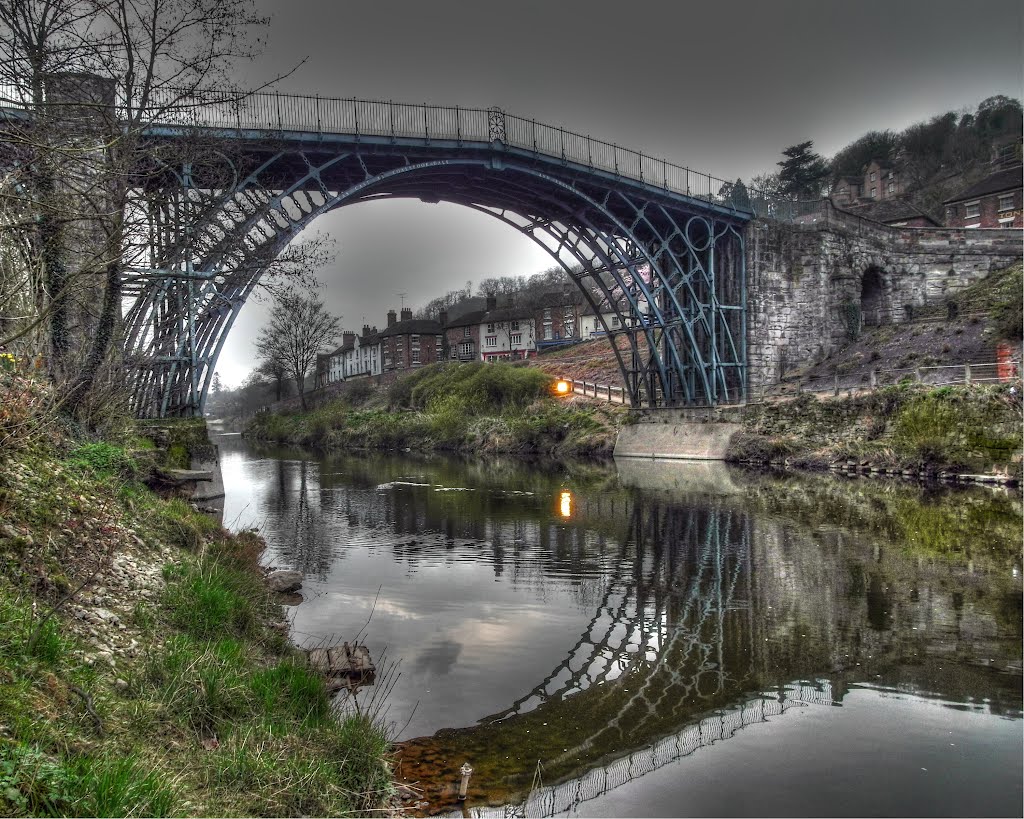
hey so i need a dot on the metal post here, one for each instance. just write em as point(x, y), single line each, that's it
point(917, 374)
point(967, 374)
point(835, 389)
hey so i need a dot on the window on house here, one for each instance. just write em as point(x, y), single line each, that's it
point(547, 330)
point(454, 353)
point(415, 341)
point(466, 333)
point(490, 327)
point(874, 176)
point(514, 325)
point(1006, 201)
point(517, 338)
point(892, 187)
point(466, 348)
point(416, 356)
point(615, 321)
point(1006, 223)
point(547, 313)
point(972, 209)
point(874, 193)
point(491, 341)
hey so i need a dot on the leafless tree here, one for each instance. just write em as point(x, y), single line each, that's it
point(81, 81)
point(300, 329)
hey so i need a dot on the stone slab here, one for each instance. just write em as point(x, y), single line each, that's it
point(697, 441)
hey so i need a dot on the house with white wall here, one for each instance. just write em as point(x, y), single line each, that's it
point(507, 334)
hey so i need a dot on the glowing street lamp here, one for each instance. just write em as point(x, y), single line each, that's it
point(565, 504)
point(562, 387)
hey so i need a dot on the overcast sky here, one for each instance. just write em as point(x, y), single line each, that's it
point(721, 87)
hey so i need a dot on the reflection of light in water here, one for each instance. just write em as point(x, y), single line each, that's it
point(565, 504)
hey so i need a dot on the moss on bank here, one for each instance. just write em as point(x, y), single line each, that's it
point(456, 408)
point(953, 428)
point(140, 669)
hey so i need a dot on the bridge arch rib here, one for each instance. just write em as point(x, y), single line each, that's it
point(670, 271)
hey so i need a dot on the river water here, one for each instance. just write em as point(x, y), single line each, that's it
point(661, 639)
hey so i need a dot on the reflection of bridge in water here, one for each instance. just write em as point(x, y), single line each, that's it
point(570, 794)
point(671, 641)
point(696, 607)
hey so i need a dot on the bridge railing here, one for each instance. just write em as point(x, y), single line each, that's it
point(278, 112)
point(290, 112)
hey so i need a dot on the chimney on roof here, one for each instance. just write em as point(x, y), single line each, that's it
point(492, 302)
point(348, 338)
point(374, 329)
point(392, 317)
point(442, 318)
point(406, 314)
point(366, 330)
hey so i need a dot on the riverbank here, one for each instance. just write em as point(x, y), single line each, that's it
point(462, 408)
point(144, 665)
point(909, 429)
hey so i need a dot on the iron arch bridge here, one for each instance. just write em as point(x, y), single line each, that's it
point(658, 246)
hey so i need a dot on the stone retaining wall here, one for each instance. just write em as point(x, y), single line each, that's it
point(805, 283)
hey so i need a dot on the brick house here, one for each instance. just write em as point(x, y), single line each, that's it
point(556, 318)
point(409, 343)
point(994, 202)
point(462, 336)
point(877, 182)
point(881, 181)
point(846, 190)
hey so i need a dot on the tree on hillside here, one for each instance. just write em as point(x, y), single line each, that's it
point(803, 171)
point(300, 329)
point(850, 161)
point(735, 194)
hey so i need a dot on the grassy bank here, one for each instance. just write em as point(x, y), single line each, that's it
point(963, 429)
point(143, 665)
point(457, 408)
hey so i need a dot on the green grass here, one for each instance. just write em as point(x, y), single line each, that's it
point(80, 737)
point(974, 428)
point(455, 407)
point(102, 459)
point(34, 784)
point(212, 600)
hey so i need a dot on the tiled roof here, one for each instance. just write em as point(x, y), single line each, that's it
point(889, 210)
point(466, 319)
point(507, 314)
point(412, 326)
point(1008, 179)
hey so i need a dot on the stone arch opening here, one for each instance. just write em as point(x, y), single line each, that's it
point(873, 298)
